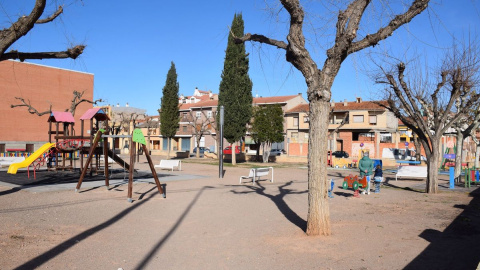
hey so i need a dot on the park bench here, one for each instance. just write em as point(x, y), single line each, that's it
point(256, 173)
point(7, 161)
point(169, 164)
point(410, 162)
point(411, 171)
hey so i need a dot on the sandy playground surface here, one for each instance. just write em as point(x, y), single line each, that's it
point(211, 223)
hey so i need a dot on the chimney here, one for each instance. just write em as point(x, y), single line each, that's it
point(126, 105)
point(345, 102)
point(299, 94)
point(332, 103)
point(118, 104)
point(359, 99)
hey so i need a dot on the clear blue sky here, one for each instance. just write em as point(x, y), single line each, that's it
point(130, 45)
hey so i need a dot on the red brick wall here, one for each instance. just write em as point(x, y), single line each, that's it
point(42, 86)
point(298, 149)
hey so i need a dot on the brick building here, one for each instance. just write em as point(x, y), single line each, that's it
point(41, 87)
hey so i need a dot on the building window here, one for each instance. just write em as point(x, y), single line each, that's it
point(184, 128)
point(209, 114)
point(295, 136)
point(386, 137)
point(295, 121)
point(198, 114)
point(306, 119)
point(358, 119)
point(372, 120)
point(184, 115)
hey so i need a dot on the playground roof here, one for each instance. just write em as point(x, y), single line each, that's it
point(97, 113)
point(62, 117)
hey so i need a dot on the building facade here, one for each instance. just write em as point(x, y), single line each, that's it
point(44, 88)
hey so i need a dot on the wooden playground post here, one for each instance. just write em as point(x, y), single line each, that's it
point(98, 137)
point(130, 175)
point(149, 159)
point(105, 157)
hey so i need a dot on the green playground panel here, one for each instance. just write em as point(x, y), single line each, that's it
point(138, 136)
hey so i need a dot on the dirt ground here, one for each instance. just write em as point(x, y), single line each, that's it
point(210, 223)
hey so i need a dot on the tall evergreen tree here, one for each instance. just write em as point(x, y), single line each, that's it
point(235, 92)
point(169, 116)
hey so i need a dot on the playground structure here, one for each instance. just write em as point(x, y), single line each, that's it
point(66, 143)
point(137, 137)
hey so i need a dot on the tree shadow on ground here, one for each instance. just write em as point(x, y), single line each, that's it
point(457, 246)
point(388, 183)
point(9, 191)
point(67, 244)
point(280, 202)
point(162, 241)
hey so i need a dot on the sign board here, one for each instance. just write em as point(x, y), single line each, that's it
point(449, 156)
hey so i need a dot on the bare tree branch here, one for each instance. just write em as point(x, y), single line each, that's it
point(52, 17)
point(30, 109)
point(22, 26)
point(77, 100)
point(371, 40)
point(262, 39)
point(70, 53)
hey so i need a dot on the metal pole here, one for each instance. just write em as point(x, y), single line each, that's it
point(220, 152)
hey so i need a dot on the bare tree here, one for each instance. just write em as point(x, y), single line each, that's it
point(201, 125)
point(464, 128)
point(76, 100)
point(429, 109)
point(22, 26)
point(152, 124)
point(319, 82)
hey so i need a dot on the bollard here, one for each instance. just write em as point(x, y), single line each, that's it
point(452, 178)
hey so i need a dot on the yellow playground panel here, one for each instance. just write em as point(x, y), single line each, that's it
point(341, 162)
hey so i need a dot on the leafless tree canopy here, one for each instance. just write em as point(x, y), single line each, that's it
point(429, 109)
point(76, 100)
point(201, 125)
point(320, 80)
point(22, 26)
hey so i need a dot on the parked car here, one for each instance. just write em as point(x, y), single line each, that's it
point(202, 150)
point(228, 150)
point(340, 154)
point(276, 152)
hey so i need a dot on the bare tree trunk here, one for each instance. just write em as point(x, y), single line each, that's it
point(234, 153)
point(418, 148)
point(267, 147)
point(198, 138)
point(318, 220)
point(168, 145)
point(458, 155)
point(432, 167)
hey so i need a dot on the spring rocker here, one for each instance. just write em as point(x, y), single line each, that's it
point(137, 137)
point(354, 183)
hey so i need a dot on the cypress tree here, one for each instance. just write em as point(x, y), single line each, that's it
point(235, 91)
point(169, 117)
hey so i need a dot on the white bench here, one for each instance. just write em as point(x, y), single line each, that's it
point(256, 173)
point(411, 171)
point(7, 161)
point(169, 164)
